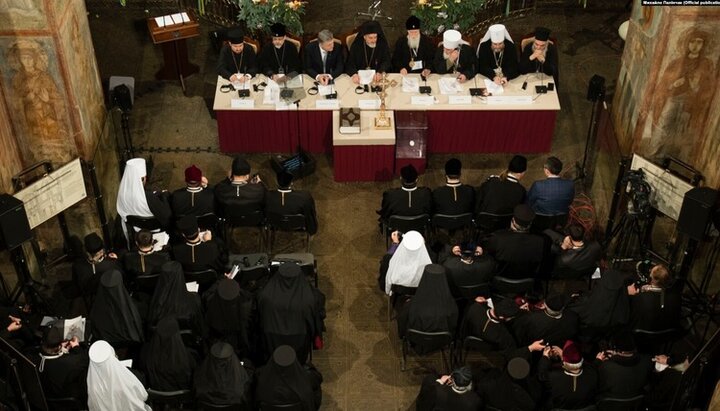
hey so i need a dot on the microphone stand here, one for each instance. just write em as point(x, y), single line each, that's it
point(591, 134)
point(542, 88)
point(424, 89)
point(476, 91)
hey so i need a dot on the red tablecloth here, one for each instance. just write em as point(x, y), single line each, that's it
point(363, 163)
point(517, 131)
point(514, 131)
point(261, 131)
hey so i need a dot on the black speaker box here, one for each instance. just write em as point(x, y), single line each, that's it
point(697, 212)
point(299, 165)
point(596, 88)
point(14, 226)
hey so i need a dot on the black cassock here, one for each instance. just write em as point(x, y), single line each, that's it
point(291, 311)
point(406, 202)
point(362, 57)
point(65, 375)
point(114, 317)
point(221, 378)
point(230, 321)
point(137, 263)
point(185, 202)
point(478, 324)
point(199, 256)
point(538, 325)
point(293, 202)
point(230, 63)
point(249, 196)
point(278, 385)
point(566, 391)
point(549, 67)
point(454, 199)
point(171, 298)
point(167, 363)
point(86, 275)
point(436, 397)
point(488, 60)
point(274, 61)
point(501, 391)
point(466, 64)
point(499, 196)
point(402, 54)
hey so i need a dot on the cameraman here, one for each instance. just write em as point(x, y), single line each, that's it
point(655, 301)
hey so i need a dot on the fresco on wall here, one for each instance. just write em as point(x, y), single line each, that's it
point(83, 75)
point(22, 14)
point(31, 85)
point(679, 105)
point(708, 153)
point(10, 161)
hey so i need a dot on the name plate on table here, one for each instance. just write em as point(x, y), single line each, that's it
point(242, 103)
point(282, 105)
point(462, 99)
point(509, 100)
point(369, 104)
point(333, 104)
point(422, 100)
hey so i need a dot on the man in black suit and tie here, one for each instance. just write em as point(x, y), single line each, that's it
point(323, 59)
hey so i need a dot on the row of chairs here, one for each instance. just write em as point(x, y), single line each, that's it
point(267, 225)
point(253, 271)
point(472, 225)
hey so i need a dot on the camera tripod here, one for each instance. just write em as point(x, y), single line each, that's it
point(632, 238)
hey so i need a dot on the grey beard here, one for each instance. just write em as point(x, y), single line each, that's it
point(413, 43)
point(372, 46)
point(446, 56)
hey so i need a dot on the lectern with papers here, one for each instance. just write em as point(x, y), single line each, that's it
point(171, 32)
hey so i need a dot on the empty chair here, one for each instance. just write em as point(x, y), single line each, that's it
point(454, 222)
point(287, 223)
point(426, 343)
point(239, 216)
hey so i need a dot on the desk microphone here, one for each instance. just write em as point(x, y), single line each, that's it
point(476, 91)
point(424, 89)
point(333, 94)
point(542, 88)
point(287, 93)
point(524, 85)
point(244, 91)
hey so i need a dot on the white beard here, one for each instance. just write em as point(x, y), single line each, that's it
point(445, 55)
point(372, 46)
point(279, 47)
point(413, 43)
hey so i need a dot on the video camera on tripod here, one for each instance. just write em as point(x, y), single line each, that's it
point(639, 192)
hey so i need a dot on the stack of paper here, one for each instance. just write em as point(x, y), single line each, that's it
point(172, 19)
point(192, 286)
point(493, 88)
point(449, 85)
point(410, 85)
point(74, 327)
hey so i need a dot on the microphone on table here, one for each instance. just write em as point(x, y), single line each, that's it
point(424, 89)
point(333, 93)
point(476, 91)
point(542, 88)
point(524, 85)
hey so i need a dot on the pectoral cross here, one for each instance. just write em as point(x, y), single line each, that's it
point(382, 121)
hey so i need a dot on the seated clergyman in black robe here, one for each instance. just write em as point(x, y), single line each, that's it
point(198, 253)
point(369, 51)
point(540, 56)
point(279, 57)
point(449, 392)
point(497, 55)
point(509, 388)
point(145, 260)
point(240, 193)
point(555, 324)
point(431, 309)
point(622, 371)
point(286, 201)
point(413, 53)
point(221, 379)
point(283, 381)
point(114, 316)
point(291, 311)
point(237, 61)
point(86, 272)
point(455, 197)
point(167, 363)
point(571, 387)
point(229, 314)
point(196, 198)
point(408, 200)
point(172, 299)
point(62, 365)
point(455, 56)
point(499, 194)
point(466, 267)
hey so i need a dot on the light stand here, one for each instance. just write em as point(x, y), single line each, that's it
point(374, 12)
point(596, 94)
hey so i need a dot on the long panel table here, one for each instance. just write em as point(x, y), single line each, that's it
point(477, 127)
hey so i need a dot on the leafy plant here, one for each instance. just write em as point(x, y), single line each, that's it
point(259, 15)
point(440, 15)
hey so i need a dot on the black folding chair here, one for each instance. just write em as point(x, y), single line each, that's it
point(146, 283)
point(161, 400)
point(204, 278)
point(426, 343)
point(620, 404)
point(239, 216)
point(254, 270)
point(208, 406)
point(398, 291)
point(306, 261)
point(486, 223)
point(474, 343)
point(452, 223)
point(281, 407)
point(288, 223)
point(503, 287)
point(141, 223)
point(469, 292)
point(404, 224)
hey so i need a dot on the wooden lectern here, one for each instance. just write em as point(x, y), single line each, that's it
point(411, 129)
point(172, 38)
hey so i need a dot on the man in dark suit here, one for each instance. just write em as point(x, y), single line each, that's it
point(552, 196)
point(517, 251)
point(415, 52)
point(237, 61)
point(323, 59)
point(455, 56)
point(195, 199)
point(500, 194)
point(286, 201)
point(455, 197)
point(540, 56)
point(198, 252)
point(408, 200)
point(573, 255)
point(280, 56)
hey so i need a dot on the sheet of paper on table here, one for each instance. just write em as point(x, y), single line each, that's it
point(410, 85)
point(494, 88)
point(449, 85)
